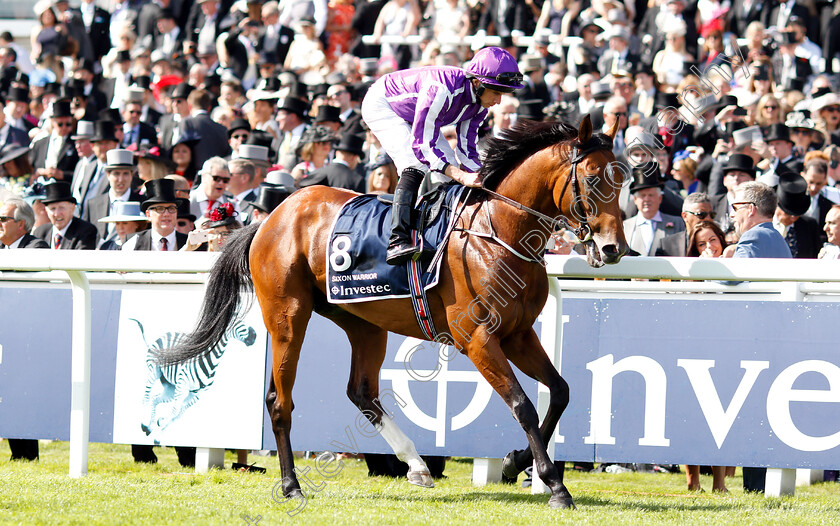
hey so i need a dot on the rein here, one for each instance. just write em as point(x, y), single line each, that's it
point(583, 231)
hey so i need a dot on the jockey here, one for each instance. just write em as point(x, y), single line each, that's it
point(409, 107)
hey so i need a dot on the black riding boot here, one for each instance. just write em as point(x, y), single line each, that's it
point(400, 247)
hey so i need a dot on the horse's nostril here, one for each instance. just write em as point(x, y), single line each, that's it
point(609, 250)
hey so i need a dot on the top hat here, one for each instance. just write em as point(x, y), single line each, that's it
point(52, 88)
point(793, 195)
point(281, 179)
point(270, 84)
point(531, 109)
point(352, 143)
point(254, 153)
point(180, 91)
point(328, 113)
point(61, 108)
point(118, 158)
point(666, 100)
point(600, 90)
point(267, 57)
point(238, 124)
point(143, 82)
point(84, 130)
point(646, 175)
point(293, 105)
point(270, 197)
point(321, 89)
point(58, 191)
point(111, 114)
point(777, 132)
point(123, 55)
point(530, 63)
point(18, 94)
point(85, 64)
point(124, 211)
point(739, 162)
point(184, 211)
point(160, 191)
point(819, 92)
point(104, 130)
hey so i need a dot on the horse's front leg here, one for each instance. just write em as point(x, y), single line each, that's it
point(485, 351)
point(527, 354)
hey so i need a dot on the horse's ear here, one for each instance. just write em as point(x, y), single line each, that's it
point(614, 128)
point(585, 131)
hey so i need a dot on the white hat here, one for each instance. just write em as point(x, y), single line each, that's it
point(829, 99)
point(84, 130)
point(118, 158)
point(280, 178)
point(253, 152)
point(124, 211)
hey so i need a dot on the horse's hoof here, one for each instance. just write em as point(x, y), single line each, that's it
point(509, 466)
point(421, 478)
point(558, 502)
point(295, 493)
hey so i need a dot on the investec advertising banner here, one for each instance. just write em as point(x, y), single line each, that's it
point(690, 381)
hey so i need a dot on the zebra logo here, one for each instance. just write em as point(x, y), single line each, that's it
point(172, 389)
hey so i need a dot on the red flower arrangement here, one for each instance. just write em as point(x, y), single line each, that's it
point(222, 212)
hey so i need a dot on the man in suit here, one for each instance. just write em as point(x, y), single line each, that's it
point(17, 110)
point(64, 231)
point(168, 38)
point(119, 170)
point(136, 133)
point(93, 179)
point(800, 232)
point(161, 207)
point(743, 13)
point(16, 221)
point(783, 160)
point(170, 121)
point(351, 120)
point(97, 22)
point(213, 135)
point(243, 180)
point(618, 56)
point(291, 116)
point(696, 207)
point(10, 134)
point(645, 230)
point(822, 196)
point(87, 158)
point(738, 169)
point(535, 86)
point(215, 177)
point(273, 36)
point(341, 172)
point(55, 156)
point(831, 249)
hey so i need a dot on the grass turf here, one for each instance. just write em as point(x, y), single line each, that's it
point(118, 491)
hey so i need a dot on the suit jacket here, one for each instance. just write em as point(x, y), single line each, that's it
point(29, 241)
point(177, 44)
point(662, 230)
point(281, 47)
point(721, 207)
point(152, 118)
point(673, 245)
point(16, 136)
point(144, 240)
point(80, 235)
point(99, 207)
point(740, 17)
point(81, 180)
point(762, 241)
point(534, 90)
point(337, 175)
point(605, 63)
point(145, 133)
point(516, 15)
point(771, 16)
point(67, 156)
point(352, 124)
point(98, 31)
point(167, 126)
point(214, 141)
point(803, 238)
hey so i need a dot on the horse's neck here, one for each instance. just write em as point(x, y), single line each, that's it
point(528, 185)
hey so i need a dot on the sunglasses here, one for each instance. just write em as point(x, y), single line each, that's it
point(64, 124)
point(702, 215)
point(739, 205)
point(619, 113)
point(242, 136)
point(833, 109)
point(134, 112)
point(221, 179)
point(508, 78)
point(4, 219)
point(771, 107)
point(337, 94)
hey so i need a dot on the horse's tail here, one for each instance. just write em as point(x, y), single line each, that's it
point(229, 277)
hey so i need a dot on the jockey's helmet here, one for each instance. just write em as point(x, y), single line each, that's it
point(496, 69)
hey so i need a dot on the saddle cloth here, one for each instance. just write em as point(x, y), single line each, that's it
point(356, 268)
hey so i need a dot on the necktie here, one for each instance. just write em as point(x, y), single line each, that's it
point(210, 203)
point(792, 242)
point(164, 244)
point(57, 241)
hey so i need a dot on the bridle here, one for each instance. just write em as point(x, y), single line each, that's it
point(583, 231)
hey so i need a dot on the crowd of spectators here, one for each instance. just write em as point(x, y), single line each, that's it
point(208, 113)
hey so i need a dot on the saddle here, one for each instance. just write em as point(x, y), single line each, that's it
point(356, 268)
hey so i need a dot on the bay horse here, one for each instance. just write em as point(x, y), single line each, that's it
point(535, 171)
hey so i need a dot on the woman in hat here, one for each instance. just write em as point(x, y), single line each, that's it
point(314, 150)
point(222, 222)
point(151, 165)
point(410, 107)
point(260, 114)
point(668, 63)
point(382, 176)
point(16, 168)
point(127, 220)
point(306, 53)
point(48, 35)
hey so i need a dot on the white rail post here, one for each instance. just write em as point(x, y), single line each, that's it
point(80, 375)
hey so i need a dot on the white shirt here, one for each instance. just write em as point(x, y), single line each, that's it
point(15, 243)
point(829, 251)
point(646, 227)
point(156, 237)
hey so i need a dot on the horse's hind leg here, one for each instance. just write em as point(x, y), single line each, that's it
point(287, 324)
point(368, 347)
point(527, 354)
point(486, 353)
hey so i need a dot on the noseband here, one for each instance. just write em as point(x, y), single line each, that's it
point(583, 231)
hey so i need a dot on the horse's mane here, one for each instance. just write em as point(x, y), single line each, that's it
point(522, 140)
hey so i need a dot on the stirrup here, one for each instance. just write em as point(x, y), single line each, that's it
point(402, 253)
